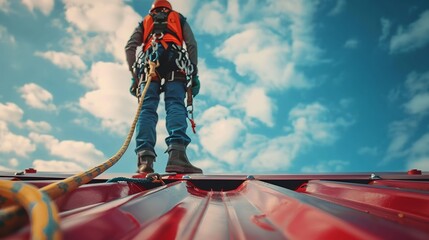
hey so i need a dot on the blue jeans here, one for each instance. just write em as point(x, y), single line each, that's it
point(176, 124)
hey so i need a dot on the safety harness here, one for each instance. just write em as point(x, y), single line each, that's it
point(163, 44)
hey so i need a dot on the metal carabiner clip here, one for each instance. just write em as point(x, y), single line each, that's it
point(157, 36)
point(153, 56)
point(189, 69)
point(180, 63)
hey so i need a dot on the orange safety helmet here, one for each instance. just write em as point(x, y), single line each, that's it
point(159, 4)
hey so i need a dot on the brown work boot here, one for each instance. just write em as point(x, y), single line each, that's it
point(145, 161)
point(178, 162)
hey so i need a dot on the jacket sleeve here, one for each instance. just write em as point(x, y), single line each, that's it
point(191, 45)
point(135, 41)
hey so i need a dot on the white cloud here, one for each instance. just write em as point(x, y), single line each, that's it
point(413, 36)
point(213, 166)
point(368, 151)
point(46, 140)
point(86, 45)
point(215, 113)
point(12, 143)
point(277, 153)
point(258, 105)
point(5, 36)
point(185, 7)
point(45, 6)
point(82, 153)
point(269, 51)
point(417, 86)
point(5, 6)
point(37, 97)
point(13, 162)
point(228, 141)
point(251, 99)
point(295, 27)
point(421, 164)
point(214, 18)
point(222, 88)
point(420, 148)
point(63, 60)
point(56, 166)
point(338, 8)
point(6, 169)
point(112, 32)
point(385, 29)
point(161, 131)
point(266, 59)
point(351, 43)
point(400, 133)
point(220, 132)
point(346, 102)
point(406, 141)
point(10, 112)
point(311, 125)
point(91, 16)
point(110, 100)
point(41, 126)
point(417, 83)
point(418, 104)
point(326, 167)
point(394, 94)
point(311, 121)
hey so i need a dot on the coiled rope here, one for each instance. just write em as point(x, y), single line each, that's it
point(148, 182)
point(42, 211)
point(12, 217)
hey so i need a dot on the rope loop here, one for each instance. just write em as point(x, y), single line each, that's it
point(152, 180)
point(40, 208)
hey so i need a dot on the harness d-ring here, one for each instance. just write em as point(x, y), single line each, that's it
point(157, 36)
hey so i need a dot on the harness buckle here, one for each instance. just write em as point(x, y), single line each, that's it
point(172, 76)
point(157, 36)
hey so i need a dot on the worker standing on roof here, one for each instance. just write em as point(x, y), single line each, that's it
point(162, 33)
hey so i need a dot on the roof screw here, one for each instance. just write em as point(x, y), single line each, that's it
point(186, 177)
point(250, 177)
point(30, 170)
point(374, 177)
point(415, 172)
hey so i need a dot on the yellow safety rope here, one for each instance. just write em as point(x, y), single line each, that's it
point(11, 218)
point(42, 211)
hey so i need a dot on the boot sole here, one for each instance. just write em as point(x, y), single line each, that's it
point(179, 169)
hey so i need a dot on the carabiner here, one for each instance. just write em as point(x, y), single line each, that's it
point(157, 36)
point(153, 56)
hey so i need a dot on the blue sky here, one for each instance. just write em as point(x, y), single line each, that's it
point(287, 86)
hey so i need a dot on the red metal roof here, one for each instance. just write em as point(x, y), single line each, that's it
point(342, 206)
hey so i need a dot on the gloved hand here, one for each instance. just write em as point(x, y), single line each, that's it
point(195, 85)
point(134, 86)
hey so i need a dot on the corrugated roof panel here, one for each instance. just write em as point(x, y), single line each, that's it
point(424, 186)
point(272, 207)
point(402, 203)
point(303, 216)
